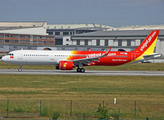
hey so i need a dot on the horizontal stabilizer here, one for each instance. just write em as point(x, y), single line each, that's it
point(152, 56)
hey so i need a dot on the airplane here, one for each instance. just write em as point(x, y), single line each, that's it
point(67, 60)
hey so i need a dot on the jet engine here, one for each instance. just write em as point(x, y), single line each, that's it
point(65, 65)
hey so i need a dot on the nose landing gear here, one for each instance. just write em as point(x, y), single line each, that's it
point(20, 68)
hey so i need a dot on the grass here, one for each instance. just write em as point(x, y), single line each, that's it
point(45, 87)
point(137, 66)
point(24, 93)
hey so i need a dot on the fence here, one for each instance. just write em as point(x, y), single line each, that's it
point(78, 109)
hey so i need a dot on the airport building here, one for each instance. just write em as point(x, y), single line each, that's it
point(7, 38)
point(63, 32)
point(15, 34)
point(34, 28)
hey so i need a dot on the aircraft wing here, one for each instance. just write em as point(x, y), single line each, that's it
point(152, 56)
point(85, 61)
point(91, 60)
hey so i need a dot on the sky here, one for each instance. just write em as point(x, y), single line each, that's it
point(115, 13)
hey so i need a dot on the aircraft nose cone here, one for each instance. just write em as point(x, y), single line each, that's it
point(3, 59)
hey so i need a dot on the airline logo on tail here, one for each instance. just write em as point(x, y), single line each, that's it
point(147, 41)
point(146, 48)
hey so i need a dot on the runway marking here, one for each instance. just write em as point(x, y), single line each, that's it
point(88, 72)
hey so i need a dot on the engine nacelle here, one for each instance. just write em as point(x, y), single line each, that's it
point(65, 65)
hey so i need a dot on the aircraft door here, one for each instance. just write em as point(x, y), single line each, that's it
point(20, 56)
point(52, 57)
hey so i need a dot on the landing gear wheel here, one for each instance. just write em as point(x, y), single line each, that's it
point(82, 70)
point(19, 70)
point(78, 70)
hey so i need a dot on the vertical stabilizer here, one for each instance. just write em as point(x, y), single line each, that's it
point(146, 48)
point(148, 45)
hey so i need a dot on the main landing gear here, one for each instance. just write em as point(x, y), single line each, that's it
point(20, 68)
point(81, 70)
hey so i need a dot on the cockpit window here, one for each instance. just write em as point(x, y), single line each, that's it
point(10, 54)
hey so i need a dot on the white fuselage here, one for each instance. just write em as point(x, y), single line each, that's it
point(36, 57)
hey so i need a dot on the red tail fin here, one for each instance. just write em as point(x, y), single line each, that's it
point(149, 43)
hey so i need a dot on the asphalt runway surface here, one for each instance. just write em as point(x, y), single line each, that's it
point(88, 72)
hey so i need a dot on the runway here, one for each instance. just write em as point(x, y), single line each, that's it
point(88, 72)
